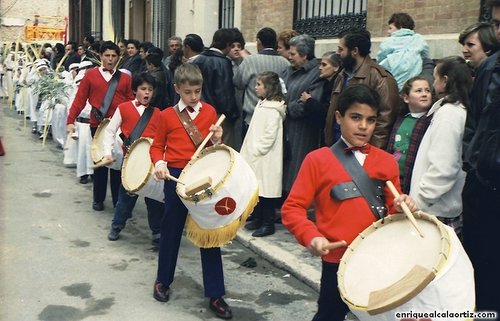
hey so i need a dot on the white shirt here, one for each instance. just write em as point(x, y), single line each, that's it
point(196, 108)
point(106, 74)
point(113, 128)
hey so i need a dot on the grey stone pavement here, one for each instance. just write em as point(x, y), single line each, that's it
point(281, 249)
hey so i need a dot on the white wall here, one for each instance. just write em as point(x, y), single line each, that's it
point(197, 16)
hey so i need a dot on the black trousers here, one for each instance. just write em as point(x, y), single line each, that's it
point(100, 181)
point(172, 227)
point(330, 305)
point(481, 238)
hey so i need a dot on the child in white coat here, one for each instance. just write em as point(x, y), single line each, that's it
point(263, 150)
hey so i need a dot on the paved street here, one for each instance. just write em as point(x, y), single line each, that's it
point(56, 263)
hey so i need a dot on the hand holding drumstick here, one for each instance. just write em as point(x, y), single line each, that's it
point(405, 203)
point(321, 246)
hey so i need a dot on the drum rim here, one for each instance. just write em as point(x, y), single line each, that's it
point(125, 161)
point(202, 195)
point(440, 263)
point(94, 149)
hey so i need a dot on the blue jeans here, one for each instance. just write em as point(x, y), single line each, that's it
point(125, 205)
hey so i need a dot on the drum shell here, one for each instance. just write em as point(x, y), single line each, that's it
point(238, 183)
point(138, 162)
point(452, 288)
point(97, 150)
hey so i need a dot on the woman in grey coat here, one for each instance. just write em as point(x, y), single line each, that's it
point(301, 127)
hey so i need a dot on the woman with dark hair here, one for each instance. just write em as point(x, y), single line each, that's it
point(122, 43)
point(57, 56)
point(134, 62)
point(329, 68)
point(437, 178)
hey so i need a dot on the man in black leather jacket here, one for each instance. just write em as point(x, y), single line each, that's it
point(218, 88)
point(481, 193)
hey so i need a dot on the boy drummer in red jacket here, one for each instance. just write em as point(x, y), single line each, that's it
point(126, 118)
point(171, 150)
point(338, 222)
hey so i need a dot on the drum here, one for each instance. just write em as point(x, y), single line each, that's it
point(389, 268)
point(138, 171)
point(216, 213)
point(96, 148)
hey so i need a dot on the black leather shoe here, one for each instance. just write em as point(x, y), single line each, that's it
point(220, 308)
point(160, 292)
point(253, 225)
point(84, 179)
point(114, 234)
point(265, 230)
point(98, 206)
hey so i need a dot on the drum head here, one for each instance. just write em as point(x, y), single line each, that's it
point(215, 162)
point(137, 166)
point(387, 253)
point(96, 146)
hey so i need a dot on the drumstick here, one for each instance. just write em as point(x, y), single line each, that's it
point(205, 141)
point(334, 245)
point(175, 179)
point(102, 163)
point(68, 140)
point(405, 208)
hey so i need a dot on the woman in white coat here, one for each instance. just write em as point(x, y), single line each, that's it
point(263, 150)
point(438, 179)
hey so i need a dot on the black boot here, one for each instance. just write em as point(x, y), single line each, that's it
point(267, 227)
point(256, 223)
point(265, 230)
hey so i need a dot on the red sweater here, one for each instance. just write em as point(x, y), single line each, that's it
point(93, 88)
point(172, 143)
point(335, 220)
point(130, 117)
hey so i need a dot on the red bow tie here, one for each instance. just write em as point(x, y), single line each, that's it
point(111, 71)
point(365, 149)
point(138, 103)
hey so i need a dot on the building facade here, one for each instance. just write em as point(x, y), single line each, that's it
point(439, 21)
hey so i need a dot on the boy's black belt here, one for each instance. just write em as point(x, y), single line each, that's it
point(83, 120)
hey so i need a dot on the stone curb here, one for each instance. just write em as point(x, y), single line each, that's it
point(281, 258)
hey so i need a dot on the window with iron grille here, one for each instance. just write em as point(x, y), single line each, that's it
point(329, 18)
point(226, 13)
point(163, 23)
point(484, 12)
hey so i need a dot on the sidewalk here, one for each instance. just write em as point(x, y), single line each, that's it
point(282, 250)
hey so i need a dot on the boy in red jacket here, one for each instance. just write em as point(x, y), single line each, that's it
point(171, 150)
point(338, 222)
point(125, 118)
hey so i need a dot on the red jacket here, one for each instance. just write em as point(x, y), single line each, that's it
point(93, 88)
point(335, 220)
point(172, 143)
point(130, 117)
